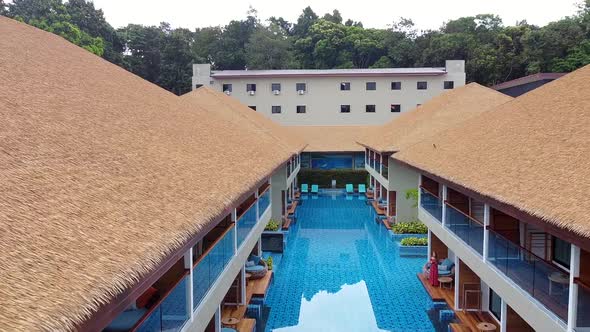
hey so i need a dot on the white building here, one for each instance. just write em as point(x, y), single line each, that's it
point(333, 96)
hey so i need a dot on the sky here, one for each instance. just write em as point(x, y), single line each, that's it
point(426, 14)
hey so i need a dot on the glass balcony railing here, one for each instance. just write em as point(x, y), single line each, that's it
point(541, 279)
point(263, 202)
point(431, 203)
point(171, 313)
point(245, 223)
point(583, 319)
point(210, 265)
point(377, 166)
point(465, 227)
point(385, 171)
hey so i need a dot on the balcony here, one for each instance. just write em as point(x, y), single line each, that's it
point(246, 222)
point(541, 279)
point(583, 319)
point(465, 227)
point(209, 266)
point(263, 202)
point(431, 203)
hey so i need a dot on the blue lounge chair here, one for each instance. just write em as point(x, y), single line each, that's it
point(304, 189)
point(314, 188)
point(349, 188)
point(362, 189)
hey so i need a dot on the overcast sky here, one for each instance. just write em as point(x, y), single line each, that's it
point(426, 14)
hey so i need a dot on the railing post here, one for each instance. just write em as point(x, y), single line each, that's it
point(444, 205)
point(486, 234)
point(234, 218)
point(257, 206)
point(503, 316)
point(420, 191)
point(188, 264)
point(572, 305)
point(457, 282)
point(429, 245)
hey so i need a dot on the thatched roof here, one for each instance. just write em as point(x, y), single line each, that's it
point(332, 138)
point(439, 113)
point(102, 176)
point(532, 153)
point(240, 115)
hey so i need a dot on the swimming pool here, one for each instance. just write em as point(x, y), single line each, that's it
point(341, 272)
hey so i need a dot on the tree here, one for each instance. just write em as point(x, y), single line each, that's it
point(578, 56)
point(335, 17)
point(3, 8)
point(269, 48)
point(304, 22)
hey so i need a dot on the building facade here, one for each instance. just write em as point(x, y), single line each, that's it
point(335, 96)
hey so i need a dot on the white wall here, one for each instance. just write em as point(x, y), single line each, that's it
point(401, 179)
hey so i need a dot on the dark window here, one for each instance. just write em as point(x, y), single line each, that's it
point(253, 107)
point(250, 87)
point(371, 85)
point(370, 108)
point(227, 87)
point(422, 85)
point(418, 105)
point(275, 87)
point(449, 85)
point(396, 108)
point(561, 252)
point(300, 86)
point(344, 86)
point(198, 86)
point(396, 85)
point(495, 306)
point(276, 109)
point(301, 109)
point(344, 108)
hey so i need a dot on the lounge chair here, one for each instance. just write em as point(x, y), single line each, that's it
point(349, 188)
point(362, 189)
point(256, 266)
point(304, 189)
point(314, 188)
point(446, 268)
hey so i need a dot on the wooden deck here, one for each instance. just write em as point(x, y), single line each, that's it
point(293, 207)
point(386, 223)
point(287, 223)
point(260, 286)
point(369, 194)
point(379, 210)
point(254, 288)
point(468, 320)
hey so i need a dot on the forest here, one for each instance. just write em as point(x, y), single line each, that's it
point(494, 52)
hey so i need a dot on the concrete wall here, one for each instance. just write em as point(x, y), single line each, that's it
point(323, 96)
point(401, 179)
point(278, 183)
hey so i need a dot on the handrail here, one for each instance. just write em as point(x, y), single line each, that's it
point(246, 210)
point(206, 252)
point(264, 192)
point(157, 304)
point(463, 213)
point(529, 252)
point(430, 192)
point(582, 284)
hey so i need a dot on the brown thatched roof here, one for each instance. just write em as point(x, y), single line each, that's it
point(332, 138)
point(102, 176)
point(532, 153)
point(439, 113)
point(240, 115)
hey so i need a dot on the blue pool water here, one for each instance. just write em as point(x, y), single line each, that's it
point(342, 272)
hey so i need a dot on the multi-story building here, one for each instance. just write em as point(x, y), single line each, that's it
point(504, 196)
point(334, 96)
point(390, 181)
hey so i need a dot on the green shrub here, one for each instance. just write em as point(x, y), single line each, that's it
point(272, 225)
point(414, 241)
point(324, 178)
point(412, 194)
point(413, 227)
point(269, 263)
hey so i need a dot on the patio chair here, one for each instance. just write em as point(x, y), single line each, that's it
point(446, 268)
point(362, 189)
point(314, 188)
point(304, 188)
point(256, 266)
point(349, 188)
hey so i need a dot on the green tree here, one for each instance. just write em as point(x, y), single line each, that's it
point(269, 48)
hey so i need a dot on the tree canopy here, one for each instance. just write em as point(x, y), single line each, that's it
point(493, 52)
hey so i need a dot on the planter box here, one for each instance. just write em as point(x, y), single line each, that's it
point(416, 251)
point(399, 237)
point(273, 241)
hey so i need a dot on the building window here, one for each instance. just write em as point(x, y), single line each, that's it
point(396, 85)
point(422, 85)
point(275, 87)
point(418, 105)
point(253, 107)
point(344, 108)
point(198, 86)
point(227, 88)
point(371, 86)
point(396, 108)
point(301, 109)
point(276, 109)
point(300, 86)
point(561, 252)
point(449, 85)
point(495, 305)
point(370, 108)
point(344, 86)
point(250, 87)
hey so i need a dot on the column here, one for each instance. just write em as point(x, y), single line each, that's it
point(444, 206)
point(429, 245)
point(188, 265)
point(457, 284)
point(243, 286)
point(572, 309)
point(257, 206)
point(504, 317)
point(486, 233)
point(217, 318)
point(234, 217)
point(420, 193)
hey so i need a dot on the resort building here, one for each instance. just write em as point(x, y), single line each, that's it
point(391, 181)
point(125, 207)
point(520, 86)
point(334, 96)
point(504, 198)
